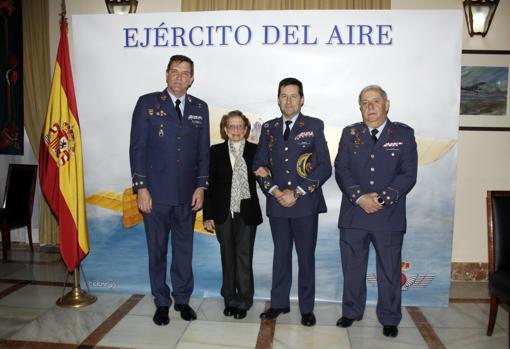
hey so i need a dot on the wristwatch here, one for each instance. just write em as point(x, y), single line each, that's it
point(297, 193)
point(380, 200)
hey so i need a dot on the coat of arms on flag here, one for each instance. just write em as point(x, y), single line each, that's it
point(60, 141)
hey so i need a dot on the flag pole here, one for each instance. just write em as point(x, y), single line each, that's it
point(76, 298)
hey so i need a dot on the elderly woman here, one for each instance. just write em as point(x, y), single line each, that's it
point(232, 209)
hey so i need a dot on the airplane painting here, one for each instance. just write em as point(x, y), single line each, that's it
point(484, 91)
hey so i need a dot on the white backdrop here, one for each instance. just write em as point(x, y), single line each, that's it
point(416, 58)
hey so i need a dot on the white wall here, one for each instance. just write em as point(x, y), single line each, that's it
point(482, 156)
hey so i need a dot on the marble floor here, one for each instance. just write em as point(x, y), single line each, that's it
point(29, 318)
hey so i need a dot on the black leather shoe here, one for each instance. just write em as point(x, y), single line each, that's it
point(240, 314)
point(390, 331)
point(161, 316)
point(345, 322)
point(229, 311)
point(308, 319)
point(272, 313)
point(187, 313)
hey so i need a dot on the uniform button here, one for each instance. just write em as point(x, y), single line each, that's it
point(178, 161)
point(161, 125)
point(372, 156)
point(384, 193)
point(372, 169)
point(289, 183)
point(179, 138)
point(286, 160)
point(358, 191)
point(353, 195)
point(136, 183)
point(178, 149)
point(141, 183)
point(371, 182)
point(392, 154)
point(286, 148)
point(287, 171)
point(180, 126)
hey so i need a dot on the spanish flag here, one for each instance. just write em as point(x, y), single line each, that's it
point(60, 159)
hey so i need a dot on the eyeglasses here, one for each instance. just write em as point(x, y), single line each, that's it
point(235, 127)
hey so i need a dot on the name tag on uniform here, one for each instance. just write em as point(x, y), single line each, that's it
point(306, 134)
point(392, 144)
point(196, 119)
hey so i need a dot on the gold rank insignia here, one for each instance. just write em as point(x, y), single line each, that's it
point(266, 184)
point(276, 124)
point(163, 97)
point(311, 188)
point(304, 165)
point(161, 133)
point(301, 123)
point(390, 131)
point(363, 130)
point(189, 99)
point(162, 113)
point(353, 131)
point(150, 111)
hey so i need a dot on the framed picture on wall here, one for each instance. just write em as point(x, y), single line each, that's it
point(484, 95)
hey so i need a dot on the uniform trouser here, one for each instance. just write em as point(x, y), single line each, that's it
point(303, 232)
point(158, 224)
point(236, 244)
point(354, 247)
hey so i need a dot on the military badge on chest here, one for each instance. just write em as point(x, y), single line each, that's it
point(158, 112)
point(270, 144)
point(270, 141)
point(356, 139)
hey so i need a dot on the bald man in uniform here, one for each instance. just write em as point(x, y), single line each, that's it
point(376, 167)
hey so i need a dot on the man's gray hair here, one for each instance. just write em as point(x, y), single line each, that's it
point(373, 87)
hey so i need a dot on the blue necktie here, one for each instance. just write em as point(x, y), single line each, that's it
point(287, 130)
point(178, 109)
point(374, 133)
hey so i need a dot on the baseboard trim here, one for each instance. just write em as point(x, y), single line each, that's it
point(469, 271)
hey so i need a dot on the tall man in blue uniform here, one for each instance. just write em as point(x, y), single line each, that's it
point(294, 198)
point(376, 167)
point(169, 155)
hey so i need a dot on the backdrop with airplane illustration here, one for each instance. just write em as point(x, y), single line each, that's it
point(240, 56)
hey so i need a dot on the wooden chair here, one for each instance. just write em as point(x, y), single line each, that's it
point(498, 227)
point(18, 203)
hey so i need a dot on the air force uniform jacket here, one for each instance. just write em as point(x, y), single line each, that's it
point(306, 136)
point(169, 157)
point(388, 167)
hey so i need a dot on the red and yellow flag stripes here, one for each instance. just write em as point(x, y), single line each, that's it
point(60, 159)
